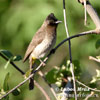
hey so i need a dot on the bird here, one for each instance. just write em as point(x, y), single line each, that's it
point(42, 42)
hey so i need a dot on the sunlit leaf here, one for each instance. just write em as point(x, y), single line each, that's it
point(17, 58)
point(7, 64)
point(5, 84)
point(16, 92)
point(98, 73)
point(59, 83)
point(96, 77)
point(98, 57)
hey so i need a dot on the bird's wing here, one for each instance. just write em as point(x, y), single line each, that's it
point(37, 39)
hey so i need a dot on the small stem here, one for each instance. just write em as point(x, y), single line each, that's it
point(87, 86)
point(89, 96)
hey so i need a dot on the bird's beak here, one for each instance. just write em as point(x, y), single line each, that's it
point(58, 21)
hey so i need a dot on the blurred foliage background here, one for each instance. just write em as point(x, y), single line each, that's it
point(20, 19)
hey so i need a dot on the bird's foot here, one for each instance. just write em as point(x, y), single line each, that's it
point(42, 62)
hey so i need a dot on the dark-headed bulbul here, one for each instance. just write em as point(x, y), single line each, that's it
point(42, 42)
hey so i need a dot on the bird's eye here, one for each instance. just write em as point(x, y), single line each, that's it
point(52, 22)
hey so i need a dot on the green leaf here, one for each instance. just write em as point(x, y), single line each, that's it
point(17, 58)
point(6, 98)
point(6, 53)
point(16, 92)
point(77, 68)
point(10, 56)
point(5, 85)
point(50, 76)
point(97, 45)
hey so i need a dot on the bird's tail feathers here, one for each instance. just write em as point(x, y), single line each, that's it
point(33, 65)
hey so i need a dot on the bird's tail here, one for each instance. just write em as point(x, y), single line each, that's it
point(31, 81)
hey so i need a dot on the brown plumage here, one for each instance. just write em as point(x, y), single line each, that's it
point(42, 42)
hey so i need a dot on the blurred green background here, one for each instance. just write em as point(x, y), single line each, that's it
point(20, 19)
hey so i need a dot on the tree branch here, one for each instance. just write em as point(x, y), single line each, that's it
point(89, 96)
point(87, 86)
point(74, 36)
point(93, 58)
point(77, 35)
point(14, 65)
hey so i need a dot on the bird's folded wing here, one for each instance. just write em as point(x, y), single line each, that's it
point(37, 39)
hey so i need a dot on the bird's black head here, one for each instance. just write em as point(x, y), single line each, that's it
point(52, 20)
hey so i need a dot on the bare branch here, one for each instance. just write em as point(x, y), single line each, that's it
point(93, 58)
point(93, 14)
point(85, 12)
point(12, 64)
point(16, 87)
point(87, 86)
point(42, 90)
point(77, 35)
point(52, 90)
point(89, 96)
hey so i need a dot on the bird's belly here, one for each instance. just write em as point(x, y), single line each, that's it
point(44, 47)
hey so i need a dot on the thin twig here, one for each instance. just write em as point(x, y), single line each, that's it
point(52, 90)
point(85, 13)
point(20, 84)
point(89, 96)
point(77, 35)
point(42, 90)
point(87, 86)
point(93, 14)
point(93, 58)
